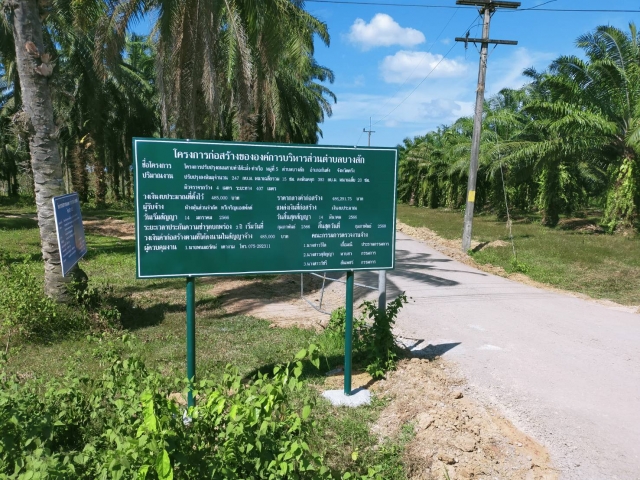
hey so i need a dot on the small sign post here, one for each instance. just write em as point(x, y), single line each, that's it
point(191, 337)
point(207, 208)
point(72, 244)
point(348, 333)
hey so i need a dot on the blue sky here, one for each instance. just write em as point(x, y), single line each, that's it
point(379, 55)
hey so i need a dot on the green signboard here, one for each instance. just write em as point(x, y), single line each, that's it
point(218, 208)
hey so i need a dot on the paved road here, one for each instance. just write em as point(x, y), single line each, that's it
point(564, 370)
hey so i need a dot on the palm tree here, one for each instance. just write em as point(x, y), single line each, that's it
point(233, 69)
point(34, 69)
point(592, 116)
point(102, 102)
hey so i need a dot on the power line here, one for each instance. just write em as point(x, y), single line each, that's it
point(415, 5)
point(424, 57)
point(358, 141)
point(538, 6)
point(427, 76)
point(413, 71)
point(418, 85)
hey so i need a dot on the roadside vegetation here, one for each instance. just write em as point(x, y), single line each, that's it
point(96, 387)
point(575, 255)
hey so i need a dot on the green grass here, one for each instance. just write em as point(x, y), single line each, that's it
point(599, 265)
point(154, 311)
point(17, 205)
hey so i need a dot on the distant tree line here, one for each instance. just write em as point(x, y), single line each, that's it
point(566, 141)
point(227, 70)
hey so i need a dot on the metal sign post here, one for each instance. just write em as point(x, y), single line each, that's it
point(348, 333)
point(191, 338)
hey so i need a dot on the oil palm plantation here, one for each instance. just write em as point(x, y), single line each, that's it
point(567, 140)
point(228, 69)
point(590, 114)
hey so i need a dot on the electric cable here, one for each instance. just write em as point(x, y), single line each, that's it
point(532, 9)
point(416, 67)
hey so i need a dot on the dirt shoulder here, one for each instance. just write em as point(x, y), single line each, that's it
point(453, 249)
point(452, 431)
point(110, 227)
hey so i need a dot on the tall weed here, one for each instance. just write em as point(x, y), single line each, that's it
point(129, 424)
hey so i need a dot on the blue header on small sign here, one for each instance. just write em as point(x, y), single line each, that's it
point(71, 242)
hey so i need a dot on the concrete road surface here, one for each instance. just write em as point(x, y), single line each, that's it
point(564, 370)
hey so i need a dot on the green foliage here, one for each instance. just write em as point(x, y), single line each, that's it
point(27, 313)
point(519, 267)
point(373, 339)
point(336, 326)
point(128, 424)
point(380, 343)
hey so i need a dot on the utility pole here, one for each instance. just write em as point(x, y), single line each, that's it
point(369, 132)
point(382, 274)
point(487, 8)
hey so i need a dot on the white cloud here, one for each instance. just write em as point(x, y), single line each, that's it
point(414, 66)
point(438, 101)
point(383, 31)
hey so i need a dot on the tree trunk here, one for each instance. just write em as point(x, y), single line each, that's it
point(550, 200)
point(100, 176)
point(126, 172)
point(45, 158)
point(623, 198)
point(79, 175)
point(115, 175)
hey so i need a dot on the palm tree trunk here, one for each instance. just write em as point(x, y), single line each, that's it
point(126, 189)
point(100, 180)
point(45, 158)
point(79, 178)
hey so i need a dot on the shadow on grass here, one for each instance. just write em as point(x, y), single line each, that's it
point(18, 223)
point(109, 246)
point(146, 285)
point(8, 259)
point(135, 318)
point(309, 371)
point(100, 213)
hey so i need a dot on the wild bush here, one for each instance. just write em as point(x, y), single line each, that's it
point(373, 339)
point(128, 423)
point(381, 347)
point(26, 313)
